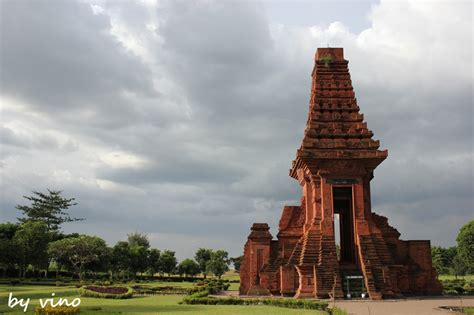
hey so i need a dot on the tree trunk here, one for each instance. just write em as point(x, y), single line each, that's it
point(47, 269)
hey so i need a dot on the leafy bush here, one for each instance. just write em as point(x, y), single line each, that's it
point(61, 310)
point(106, 292)
point(468, 289)
point(457, 287)
point(337, 311)
point(214, 285)
point(279, 302)
point(200, 294)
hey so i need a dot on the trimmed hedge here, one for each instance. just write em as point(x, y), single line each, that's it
point(161, 290)
point(106, 292)
point(213, 285)
point(61, 310)
point(280, 302)
point(457, 287)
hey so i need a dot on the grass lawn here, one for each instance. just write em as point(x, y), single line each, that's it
point(137, 305)
point(469, 310)
point(232, 275)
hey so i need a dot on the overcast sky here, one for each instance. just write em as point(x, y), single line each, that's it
point(180, 119)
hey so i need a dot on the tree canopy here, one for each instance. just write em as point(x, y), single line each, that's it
point(188, 267)
point(168, 261)
point(236, 261)
point(465, 242)
point(219, 263)
point(31, 242)
point(49, 208)
point(139, 239)
point(202, 257)
point(79, 251)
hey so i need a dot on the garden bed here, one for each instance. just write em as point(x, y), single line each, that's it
point(111, 292)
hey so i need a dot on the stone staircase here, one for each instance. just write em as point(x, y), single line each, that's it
point(310, 252)
point(376, 260)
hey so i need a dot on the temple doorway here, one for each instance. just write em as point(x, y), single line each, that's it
point(343, 224)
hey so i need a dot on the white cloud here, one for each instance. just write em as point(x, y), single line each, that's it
point(120, 159)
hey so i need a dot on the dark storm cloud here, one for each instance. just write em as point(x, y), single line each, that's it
point(180, 119)
point(60, 58)
point(178, 170)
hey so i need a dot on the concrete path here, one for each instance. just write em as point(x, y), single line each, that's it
point(409, 306)
point(425, 306)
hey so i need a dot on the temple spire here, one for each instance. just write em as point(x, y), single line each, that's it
point(335, 128)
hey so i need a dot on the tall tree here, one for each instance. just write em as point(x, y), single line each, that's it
point(188, 267)
point(79, 251)
point(458, 266)
point(120, 258)
point(202, 257)
point(153, 261)
point(8, 252)
point(168, 262)
point(442, 258)
point(31, 242)
point(138, 258)
point(140, 239)
point(236, 261)
point(219, 263)
point(465, 242)
point(49, 208)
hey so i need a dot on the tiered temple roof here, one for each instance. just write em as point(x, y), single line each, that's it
point(335, 128)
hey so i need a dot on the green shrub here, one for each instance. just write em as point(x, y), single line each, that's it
point(457, 287)
point(200, 294)
point(337, 311)
point(468, 289)
point(214, 285)
point(61, 310)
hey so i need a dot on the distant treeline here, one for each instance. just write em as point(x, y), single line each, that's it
point(35, 245)
point(456, 260)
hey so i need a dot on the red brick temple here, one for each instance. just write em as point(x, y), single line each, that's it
point(334, 166)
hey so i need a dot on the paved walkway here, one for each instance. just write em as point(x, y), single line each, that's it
point(410, 306)
point(425, 306)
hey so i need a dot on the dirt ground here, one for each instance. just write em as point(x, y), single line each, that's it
point(425, 306)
